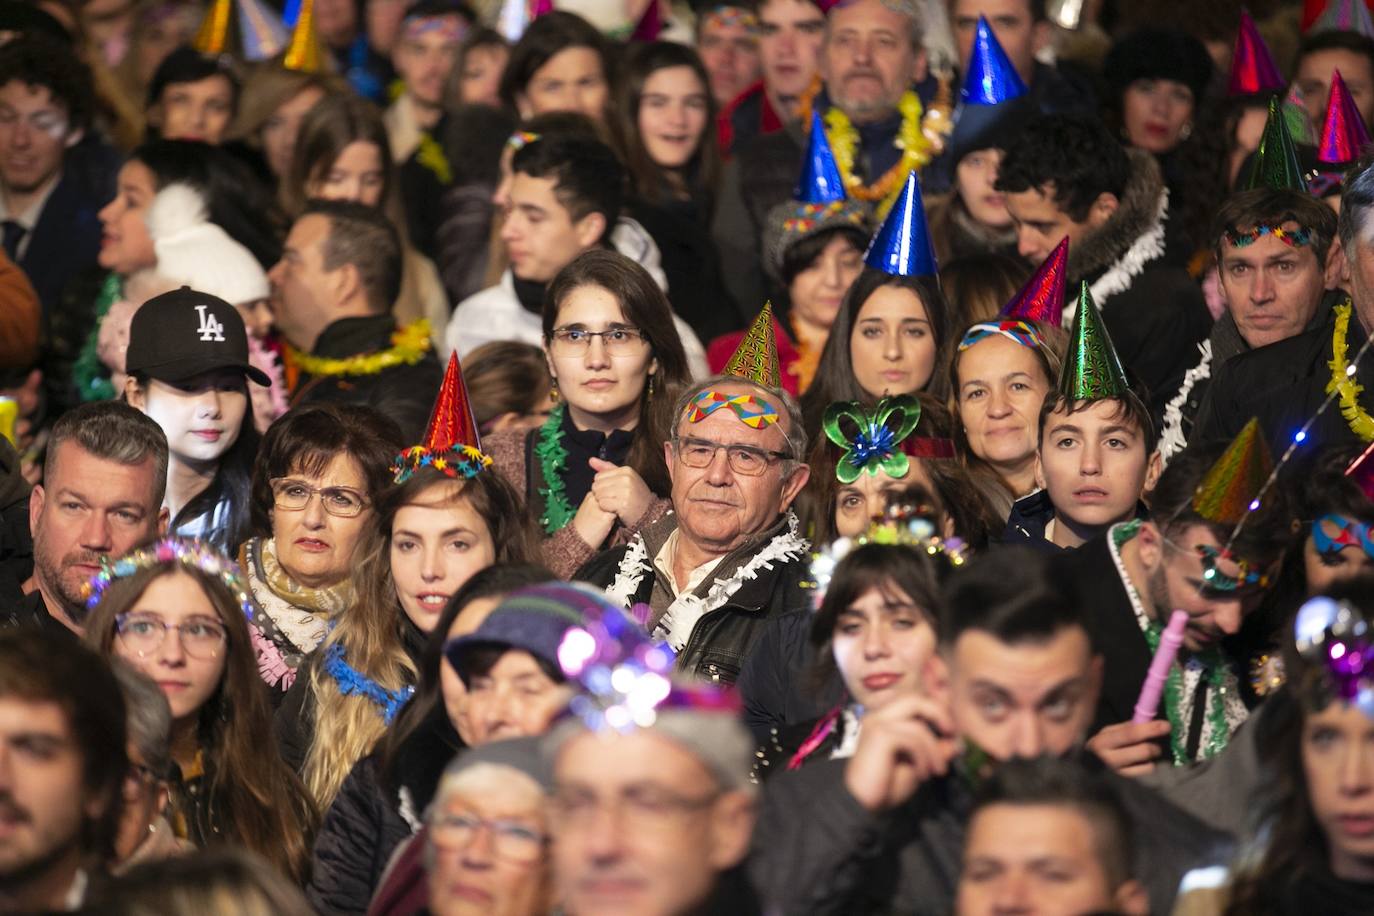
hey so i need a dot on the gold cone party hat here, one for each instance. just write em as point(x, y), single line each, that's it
point(212, 37)
point(1229, 490)
point(756, 358)
point(303, 53)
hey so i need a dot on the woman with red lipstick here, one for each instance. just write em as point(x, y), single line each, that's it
point(665, 112)
point(320, 472)
point(594, 474)
point(873, 634)
point(177, 611)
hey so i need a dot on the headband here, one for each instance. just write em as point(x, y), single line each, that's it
point(1016, 331)
point(187, 553)
point(455, 461)
point(752, 411)
point(727, 16)
point(1294, 238)
point(878, 437)
point(1219, 581)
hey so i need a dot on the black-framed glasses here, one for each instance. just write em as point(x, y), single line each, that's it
point(577, 341)
point(144, 633)
point(295, 495)
point(511, 840)
point(747, 460)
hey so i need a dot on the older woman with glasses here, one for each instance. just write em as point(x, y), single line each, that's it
point(319, 473)
point(594, 473)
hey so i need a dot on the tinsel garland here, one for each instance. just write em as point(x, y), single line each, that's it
point(351, 681)
point(88, 372)
point(552, 459)
point(409, 346)
point(1343, 380)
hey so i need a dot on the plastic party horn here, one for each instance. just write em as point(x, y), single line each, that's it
point(1169, 642)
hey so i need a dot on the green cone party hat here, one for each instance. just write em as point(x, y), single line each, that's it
point(1092, 370)
point(1276, 160)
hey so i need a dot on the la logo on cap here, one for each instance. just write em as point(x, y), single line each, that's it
point(210, 326)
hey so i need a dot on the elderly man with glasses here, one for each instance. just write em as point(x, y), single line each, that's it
point(708, 576)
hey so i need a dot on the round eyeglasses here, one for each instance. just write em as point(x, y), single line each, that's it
point(144, 633)
point(295, 495)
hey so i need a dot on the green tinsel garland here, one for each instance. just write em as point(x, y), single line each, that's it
point(88, 372)
point(552, 459)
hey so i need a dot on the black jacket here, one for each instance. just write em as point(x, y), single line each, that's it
point(816, 850)
point(722, 639)
point(696, 287)
point(776, 684)
point(403, 393)
point(1030, 517)
point(1283, 384)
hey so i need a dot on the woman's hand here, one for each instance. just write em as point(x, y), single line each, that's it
point(901, 745)
point(620, 491)
point(592, 523)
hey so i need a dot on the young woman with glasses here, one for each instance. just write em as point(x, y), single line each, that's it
point(178, 612)
point(594, 473)
point(319, 474)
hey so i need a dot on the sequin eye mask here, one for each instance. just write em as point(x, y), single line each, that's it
point(1295, 238)
point(752, 411)
point(1218, 581)
point(1332, 533)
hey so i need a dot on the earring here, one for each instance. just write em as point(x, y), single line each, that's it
point(650, 395)
point(1186, 131)
point(553, 391)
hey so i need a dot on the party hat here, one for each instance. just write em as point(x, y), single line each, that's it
point(290, 13)
point(303, 53)
point(513, 19)
point(1232, 484)
point(1344, 135)
point(820, 181)
point(1361, 471)
point(1253, 71)
point(540, 8)
point(650, 24)
point(1344, 16)
point(1042, 298)
point(756, 357)
point(901, 246)
point(212, 37)
point(1295, 115)
point(262, 33)
point(1092, 370)
point(451, 444)
point(1276, 160)
point(991, 78)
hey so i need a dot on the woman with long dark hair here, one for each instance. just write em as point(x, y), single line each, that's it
point(594, 472)
point(667, 117)
point(560, 63)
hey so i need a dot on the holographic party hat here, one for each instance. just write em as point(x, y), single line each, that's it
point(1344, 135)
point(262, 33)
point(303, 52)
point(451, 443)
point(991, 78)
point(1253, 71)
point(1042, 298)
point(650, 24)
point(1276, 161)
point(1344, 16)
point(820, 181)
point(1092, 370)
point(901, 246)
point(1232, 484)
point(756, 357)
point(212, 37)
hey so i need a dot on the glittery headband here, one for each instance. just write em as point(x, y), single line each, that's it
point(457, 461)
point(809, 216)
point(1336, 637)
point(1017, 331)
point(1294, 238)
point(188, 553)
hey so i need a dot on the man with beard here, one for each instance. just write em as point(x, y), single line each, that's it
point(1189, 557)
point(101, 496)
point(62, 766)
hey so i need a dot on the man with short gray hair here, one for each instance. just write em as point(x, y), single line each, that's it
point(729, 556)
point(103, 482)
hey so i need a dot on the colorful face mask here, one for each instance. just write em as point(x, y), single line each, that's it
point(1017, 331)
point(1332, 533)
point(1215, 579)
point(752, 411)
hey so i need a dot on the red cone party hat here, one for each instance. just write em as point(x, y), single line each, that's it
point(1345, 135)
point(1253, 71)
point(1042, 298)
point(451, 444)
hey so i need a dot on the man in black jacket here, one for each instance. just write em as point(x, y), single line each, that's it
point(332, 293)
point(1017, 675)
point(730, 556)
point(1066, 175)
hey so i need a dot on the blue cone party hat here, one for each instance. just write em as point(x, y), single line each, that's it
point(901, 246)
point(991, 78)
point(820, 181)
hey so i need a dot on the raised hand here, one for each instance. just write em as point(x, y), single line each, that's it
point(1130, 748)
point(900, 746)
point(620, 491)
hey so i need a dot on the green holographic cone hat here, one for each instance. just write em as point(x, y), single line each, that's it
point(1092, 370)
point(1276, 161)
point(756, 357)
point(1233, 484)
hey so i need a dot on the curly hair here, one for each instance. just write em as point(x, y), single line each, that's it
point(1074, 153)
point(39, 60)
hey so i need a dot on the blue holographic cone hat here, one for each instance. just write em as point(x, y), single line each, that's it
point(820, 181)
point(991, 78)
point(901, 246)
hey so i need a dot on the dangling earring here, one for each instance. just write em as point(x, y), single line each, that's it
point(553, 391)
point(650, 395)
point(1186, 131)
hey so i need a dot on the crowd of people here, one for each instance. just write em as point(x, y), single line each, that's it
point(740, 457)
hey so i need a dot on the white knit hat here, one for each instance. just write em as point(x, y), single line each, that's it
point(194, 251)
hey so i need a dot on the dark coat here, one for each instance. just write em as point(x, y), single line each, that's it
point(816, 850)
point(1030, 517)
point(775, 684)
point(723, 639)
point(696, 287)
point(403, 393)
point(1283, 384)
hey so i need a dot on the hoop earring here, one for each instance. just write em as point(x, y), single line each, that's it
point(1186, 131)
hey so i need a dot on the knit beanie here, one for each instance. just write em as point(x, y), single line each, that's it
point(195, 252)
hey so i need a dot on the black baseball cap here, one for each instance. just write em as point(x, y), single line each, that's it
point(184, 333)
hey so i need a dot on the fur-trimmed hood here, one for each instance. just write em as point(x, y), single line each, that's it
point(1136, 214)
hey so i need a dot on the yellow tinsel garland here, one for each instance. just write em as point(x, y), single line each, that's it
point(844, 142)
point(1343, 381)
point(409, 346)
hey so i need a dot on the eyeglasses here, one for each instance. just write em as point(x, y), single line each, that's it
point(639, 809)
point(577, 341)
point(294, 495)
point(744, 459)
point(510, 840)
point(144, 633)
